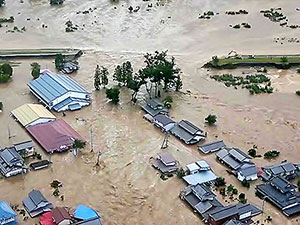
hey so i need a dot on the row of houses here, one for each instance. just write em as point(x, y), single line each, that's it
point(37, 205)
point(54, 135)
point(183, 130)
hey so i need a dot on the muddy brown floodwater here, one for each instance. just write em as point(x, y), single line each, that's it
point(125, 189)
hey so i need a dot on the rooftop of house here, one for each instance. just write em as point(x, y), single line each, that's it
point(234, 222)
point(54, 135)
point(233, 157)
point(212, 147)
point(288, 202)
point(154, 103)
point(163, 119)
point(166, 157)
point(6, 212)
point(36, 203)
point(282, 184)
point(248, 169)
point(202, 192)
point(154, 111)
point(186, 131)
point(60, 214)
point(10, 160)
point(85, 213)
point(50, 86)
point(285, 167)
point(23, 145)
point(200, 178)
point(29, 113)
point(224, 212)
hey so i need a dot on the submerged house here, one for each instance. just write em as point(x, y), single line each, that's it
point(154, 107)
point(61, 216)
point(163, 122)
point(201, 199)
point(25, 148)
point(7, 214)
point(86, 216)
point(211, 147)
point(11, 163)
point(188, 132)
point(59, 92)
point(165, 163)
point(285, 169)
point(55, 136)
point(282, 194)
point(239, 162)
point(239, 212)
point(204, 202)
point(36, 204)
point(32, 114)
point(198, 173)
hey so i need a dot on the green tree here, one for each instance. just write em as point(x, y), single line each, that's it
point(160, 70)
point(2, 2)
point(1, 106)
point(168, 102)
point(298, 92)
point(252, 152)
point(104, 76)
point(59, 61)
point(97, 81)
point(181, 173)
point(113, 94)
point(135, 85)
point(123, 74)
point(211, 119)
point(215, 61)
point(6, 69)
point(78, 144)
point(220, 181)
point(35, 70)
point(284, 60)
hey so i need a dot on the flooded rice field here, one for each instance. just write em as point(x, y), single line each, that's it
point(125, 189)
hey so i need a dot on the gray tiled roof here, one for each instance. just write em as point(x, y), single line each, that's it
point(248, 170)
point(224, 212)
point(36, 203)
point(163, 119)
point(10, 160)
point(282, 184)
point(212, 147)
point(23, 145)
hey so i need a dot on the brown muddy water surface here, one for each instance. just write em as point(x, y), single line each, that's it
point(125, 189)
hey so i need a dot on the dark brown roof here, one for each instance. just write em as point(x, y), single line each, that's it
point(60, 214)
point(166, 157)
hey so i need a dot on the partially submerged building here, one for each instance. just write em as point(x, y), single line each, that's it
point(84, 213)
point(46, 219)
point(7, 214)
point(239, 162)
point(40, 164)
point(36, 204)
point(198, 173)
point(11, 163)
point(163, 122)
point(25, 148)
point(211, 147)
point(61, 216)
point(55, 136)
point(286, 169)
point(282, 194)
point(165, 163)
point(204, 202)
point(188, 132)
point(154, 107)
point(59, 92)
point(32, 114)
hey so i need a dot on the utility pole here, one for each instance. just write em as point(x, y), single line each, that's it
point(91, 137)
point(9, 133)
point(98, 158)
point(165, 141)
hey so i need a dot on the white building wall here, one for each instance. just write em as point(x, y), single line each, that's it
point(67, 95)
point(39, 121)
point(66, 107)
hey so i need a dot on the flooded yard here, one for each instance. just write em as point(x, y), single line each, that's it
point(125, 189)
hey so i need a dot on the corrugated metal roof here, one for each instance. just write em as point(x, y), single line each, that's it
point(29, 113)
point(50, 86)
point(54, 135)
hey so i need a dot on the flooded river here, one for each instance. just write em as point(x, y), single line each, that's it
point(125, 189)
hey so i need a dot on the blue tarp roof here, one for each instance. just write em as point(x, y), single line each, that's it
point(6, 211)
point(85, 213)
point(50, 86)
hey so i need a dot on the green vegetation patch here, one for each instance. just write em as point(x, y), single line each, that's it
point(256, 84)
point(7, 20)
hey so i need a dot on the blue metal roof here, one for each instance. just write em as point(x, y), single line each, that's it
point(6, 211)
point(50, 86)
point(85, 213)
point(65, 102)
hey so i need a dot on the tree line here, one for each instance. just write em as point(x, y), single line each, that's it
point(159, 72)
